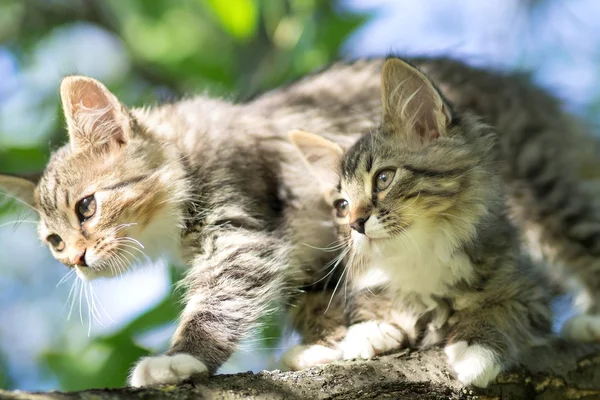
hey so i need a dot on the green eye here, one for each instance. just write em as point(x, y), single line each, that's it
point(383, 180)
point(56, 242)
point(86, 208)
point(341, 208)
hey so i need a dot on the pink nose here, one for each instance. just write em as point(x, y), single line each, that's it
point(80, 260)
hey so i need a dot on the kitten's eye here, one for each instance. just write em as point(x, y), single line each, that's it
point(56, 242)
point(383, 180)
point(341, 208)
point(86, 208)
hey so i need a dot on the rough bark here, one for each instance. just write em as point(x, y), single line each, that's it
point(560, 371)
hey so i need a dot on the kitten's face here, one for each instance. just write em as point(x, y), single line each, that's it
point(100, 212)
point(391, 193)
point(112, 195)
point(420, 173)
point(385, 188)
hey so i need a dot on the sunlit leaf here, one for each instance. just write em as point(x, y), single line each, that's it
point(5, 381)
point(16, 160)
point(99, 365)
point(238, 17)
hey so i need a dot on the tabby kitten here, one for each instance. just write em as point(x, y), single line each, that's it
point(432, 249)
point(219, 188)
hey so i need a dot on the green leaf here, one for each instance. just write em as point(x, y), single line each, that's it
point(238, 17)
point(99, 365)
point(5, 381)
point(30, 159)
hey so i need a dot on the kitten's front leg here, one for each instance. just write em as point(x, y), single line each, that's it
point(485, 342)
point(230, 286)
point(319, 318)
point(374, 328)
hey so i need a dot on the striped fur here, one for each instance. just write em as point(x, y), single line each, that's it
point(435, 258)
point(218, 186)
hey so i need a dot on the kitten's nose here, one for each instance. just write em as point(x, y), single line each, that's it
point(358, 225)
point(80, 260)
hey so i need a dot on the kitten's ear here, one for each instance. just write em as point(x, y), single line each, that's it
point(411, 104)
point(322, 156)
point(94, 115)
point(18, 188)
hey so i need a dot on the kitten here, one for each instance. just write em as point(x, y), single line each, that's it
point(218, 187)
point(432, 249)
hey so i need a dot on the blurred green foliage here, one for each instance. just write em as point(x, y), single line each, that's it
point(106, 360)
point(232, 48)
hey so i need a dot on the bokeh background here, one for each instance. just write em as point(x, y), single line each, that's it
point(148, 51)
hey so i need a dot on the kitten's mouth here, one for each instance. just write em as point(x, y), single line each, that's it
point(89, 274)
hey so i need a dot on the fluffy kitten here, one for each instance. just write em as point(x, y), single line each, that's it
point(218, 186)
point(432, 250)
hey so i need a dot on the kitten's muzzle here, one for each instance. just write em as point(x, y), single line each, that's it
point(359, 225)
point(79, 261)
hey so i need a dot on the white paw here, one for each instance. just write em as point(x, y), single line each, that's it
point(474, 365)
point(306, 356)
point(583, 328)
point(367, 339)
point(166, 370)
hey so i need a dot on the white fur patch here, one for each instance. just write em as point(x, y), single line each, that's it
point(367, 339)
point(424, 250)
point(583, 328)
point(166, 370)
point(475, 365)
point(307, 356)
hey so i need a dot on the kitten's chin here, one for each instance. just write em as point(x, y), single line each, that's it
point(89, 274)
point(360, 241)
point(366, 241)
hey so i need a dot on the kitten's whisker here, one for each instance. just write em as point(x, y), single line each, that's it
point(121, 227)
point(132, 239)
point(65, 278)
point(131, 254)
point(338, 244)
point(115, 263)
point(100, 304)
point(337, 261)
point(136, 249)
point(327, 249)
point(76, 283)
point(87, 299)
point(95, 310)
point(80, 300)
point(71, 298)
point(17, 222)
point(343, 251)
point(335, 289)
point(89, 302)
point(123, 263)
point(112, 264)
point(18, 200)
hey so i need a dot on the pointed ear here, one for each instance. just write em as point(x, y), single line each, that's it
point(322, 156)
point(95, 117)
point(18, 188)
point(411, 104)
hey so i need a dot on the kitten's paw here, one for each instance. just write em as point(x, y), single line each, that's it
point(306, 356)
point(475, 365)
point(367, 339)
point(166, 370)
point(583, 328)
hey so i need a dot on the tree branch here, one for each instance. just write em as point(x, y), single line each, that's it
point(559, 371)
